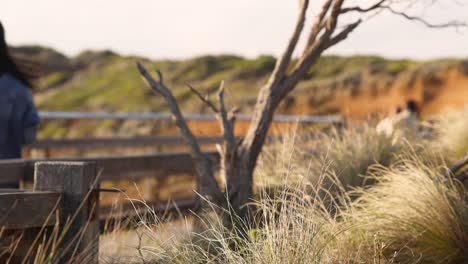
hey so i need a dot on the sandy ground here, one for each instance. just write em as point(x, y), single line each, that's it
point(126, 246)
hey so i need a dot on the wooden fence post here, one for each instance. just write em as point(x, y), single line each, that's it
point(79, 221)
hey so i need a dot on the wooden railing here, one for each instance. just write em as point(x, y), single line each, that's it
point(191, 117)
point(29, 211)
point(50, 147)
point(58, 217)
point(32, 211)
point(94, 143)
point(113, 168)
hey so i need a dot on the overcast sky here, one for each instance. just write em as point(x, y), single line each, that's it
point(187, 28)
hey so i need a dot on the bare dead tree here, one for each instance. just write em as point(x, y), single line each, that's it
point(239, 156)
point(206, 182)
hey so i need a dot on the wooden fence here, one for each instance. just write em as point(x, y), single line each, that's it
point(111, 168)
point(29, 212)
point(62, 208)
point(55, 183)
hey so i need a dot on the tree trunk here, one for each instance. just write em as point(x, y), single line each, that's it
point(239, 193)
point(207, 187)
point(240, 166)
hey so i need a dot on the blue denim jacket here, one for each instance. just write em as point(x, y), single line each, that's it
point(17, 114)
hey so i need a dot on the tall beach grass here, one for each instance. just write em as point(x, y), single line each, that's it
point(350, 196)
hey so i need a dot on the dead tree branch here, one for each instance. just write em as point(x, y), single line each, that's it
point(454, 23)
point(204, 99)
point(343, 34)
point(363, 10)
point(459, 164)
point(206, 182)
point(227, 123)
point(318, 24)
point(285, 59)
point(386, 5)
point(226, 118)
point(160, 88)
point(453, 171)
point(228, 151)
point(463, 176)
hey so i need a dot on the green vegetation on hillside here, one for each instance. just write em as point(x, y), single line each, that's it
point(106, 81)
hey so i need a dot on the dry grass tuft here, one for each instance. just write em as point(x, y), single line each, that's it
point(452, 133)
point(415, 213)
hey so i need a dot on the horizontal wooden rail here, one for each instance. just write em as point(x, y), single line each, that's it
point(12, 170)
point(65, 194)
point(28, 209)
point(111, 167)
point(7, 190)
point(195, 117)
point(94, 143)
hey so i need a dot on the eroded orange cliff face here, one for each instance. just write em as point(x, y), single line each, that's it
point(436, 88)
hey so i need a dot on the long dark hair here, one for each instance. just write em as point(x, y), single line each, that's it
point(7, 65)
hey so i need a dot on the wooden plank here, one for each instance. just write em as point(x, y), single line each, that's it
point(135, 167)
point(113, 167)
point(6, 190)
point(28, 209)
point(14, 170)
point(79, 223)
point(94, 143)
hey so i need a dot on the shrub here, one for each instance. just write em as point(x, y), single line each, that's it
point(452, 135)
point(415, 213)
point(350, 154)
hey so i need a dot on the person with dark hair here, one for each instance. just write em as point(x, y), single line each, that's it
point(412, 107)
point(18, 115)
point(403, 124)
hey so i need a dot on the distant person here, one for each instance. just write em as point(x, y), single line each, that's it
point(387, 125)
point(18, 115)
point(407, 121)
point(404, 123)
